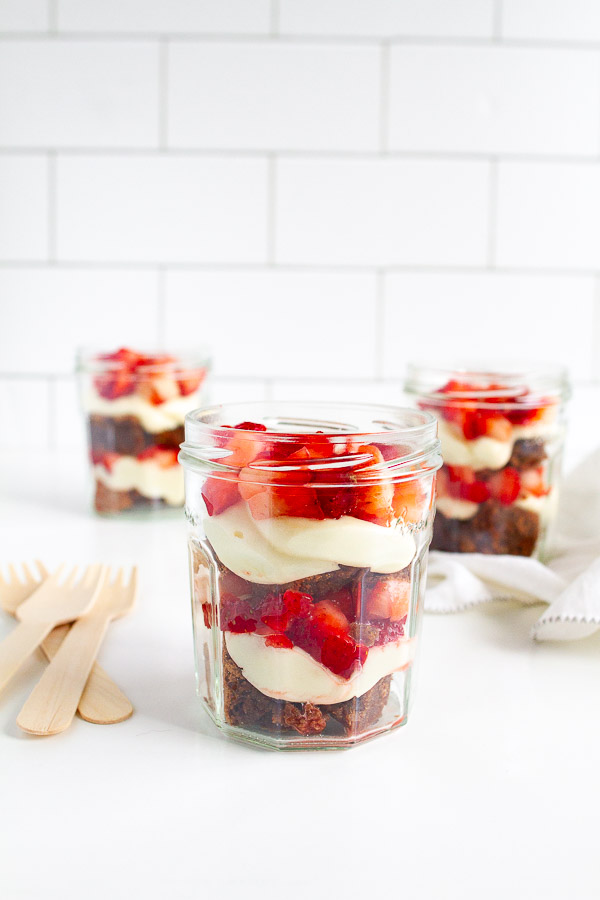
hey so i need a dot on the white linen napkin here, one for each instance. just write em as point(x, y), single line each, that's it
point(569, 583)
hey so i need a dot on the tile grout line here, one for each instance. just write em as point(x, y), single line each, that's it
point(497, 21)
point(492, 215)
point(51, 212)
point(163, 93)
point(271, 210)
point(161, 305)
point(52, 17)
point(384, 97)
point(379, 322)
point(51, 396)
point(274, 16)
point(596, 333)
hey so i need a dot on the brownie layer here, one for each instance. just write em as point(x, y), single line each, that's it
point(495, 528)
point(528, 453)
point(247, 707)
point(126, 436)
point(107, 501)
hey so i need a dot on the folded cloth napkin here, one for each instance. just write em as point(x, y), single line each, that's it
point(569, 583)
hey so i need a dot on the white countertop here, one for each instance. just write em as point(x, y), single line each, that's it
point(490, 791)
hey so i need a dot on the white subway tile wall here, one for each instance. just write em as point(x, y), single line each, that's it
point(317, 190)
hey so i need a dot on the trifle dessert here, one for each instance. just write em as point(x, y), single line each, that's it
point(501, 435)
point(309, 529)
point(135, 405)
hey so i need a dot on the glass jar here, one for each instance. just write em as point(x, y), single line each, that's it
point(135, 406)
point(501, 434)
point(308, 533)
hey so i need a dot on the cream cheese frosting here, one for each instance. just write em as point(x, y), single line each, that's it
point(292, 674)
point(485, 452)
point(144, 476)
point(284, 549)
point(153, 418)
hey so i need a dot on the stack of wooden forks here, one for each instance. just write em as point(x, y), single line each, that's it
point(68, 619)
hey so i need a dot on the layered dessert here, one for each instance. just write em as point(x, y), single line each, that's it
point(496, 490)
point(309, 568)
point(135, 406)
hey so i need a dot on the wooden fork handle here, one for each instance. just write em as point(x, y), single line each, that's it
point(53, 702)
point(102, 702)
point(18, 646)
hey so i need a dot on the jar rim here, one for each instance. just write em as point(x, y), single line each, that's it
point(207, 431)
point(95, 361)
point(503, 385)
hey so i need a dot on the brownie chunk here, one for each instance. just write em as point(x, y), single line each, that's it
point(247, 707)
point(528, 453)
point(126, 436)
point(107, 501)
point(363, 712)
point(495, 528)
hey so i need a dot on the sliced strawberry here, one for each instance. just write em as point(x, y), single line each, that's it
point(285, 501)
point(188, 383)
point(463, 484)
point(251, 426)
point(220, 493)
point(163, 456)
point(373, 502)
point(498, 427)
point(411, 501)
point(106, 459)
point(158, 389)
point(533, 482)
point(341, 654)
point(388, 600)
point(505, 485)
point(328, 617)
point(279, 640)
point(112, 385)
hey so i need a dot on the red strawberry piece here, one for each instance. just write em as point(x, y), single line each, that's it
point(412, 500)
point(112, 385)
point(463, 484)
point(533, 482)
point(106, 459)
point(388, 600)
point(220, 493)
point(297, 603)
point(373, 502)
point(278, 640)
point(251, 426)
point(505, 486)
point(341, 654)
point(163, 456)
point(498, 427)
point(328, 617)
point(237, 615)
point(286, 501)
point(188, 383)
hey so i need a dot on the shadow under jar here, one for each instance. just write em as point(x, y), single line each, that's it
point(135, 406)
point(309, 526)
point(501, 435)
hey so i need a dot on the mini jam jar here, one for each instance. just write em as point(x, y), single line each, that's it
point(501, 434)
point(135, 405)
point(309, 526)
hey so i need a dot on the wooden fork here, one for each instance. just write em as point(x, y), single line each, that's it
point(102, 702)
point(51, 604)
point(53, 702)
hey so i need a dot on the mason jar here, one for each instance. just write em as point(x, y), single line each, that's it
point(308, 533)
point(501, 435)
point(134, 406)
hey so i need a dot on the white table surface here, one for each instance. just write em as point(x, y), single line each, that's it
point(490, 791)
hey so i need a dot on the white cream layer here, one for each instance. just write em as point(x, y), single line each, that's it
point(144, 476)
point(485, 452)
point(153, 419)
point(454, 508)
point(292, 674)
point(279, 550)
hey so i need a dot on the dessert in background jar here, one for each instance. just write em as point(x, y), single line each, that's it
point(501, 435)
point(309, 529)
point(135, 406)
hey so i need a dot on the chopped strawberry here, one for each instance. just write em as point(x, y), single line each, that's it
point(329, 617)
point(498, 427)
point(389, 600)
point(533, 482)
point(505, 485)
point(189, 382)
point(237, 615)
point(220, 493)
point(373, 502)
point(163, 456)
point(463, 484)
point(106, 459)
point(116, 384)
point(341, 654)
point(411, 501)
point(285, 501)
point(279, 640)
point(250, 426)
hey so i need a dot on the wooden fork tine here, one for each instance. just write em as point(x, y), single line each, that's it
point(70, 580)
point(118, 582)
point(42, 569)
point(28, 576)
point(13, 574)
point(133, 579)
